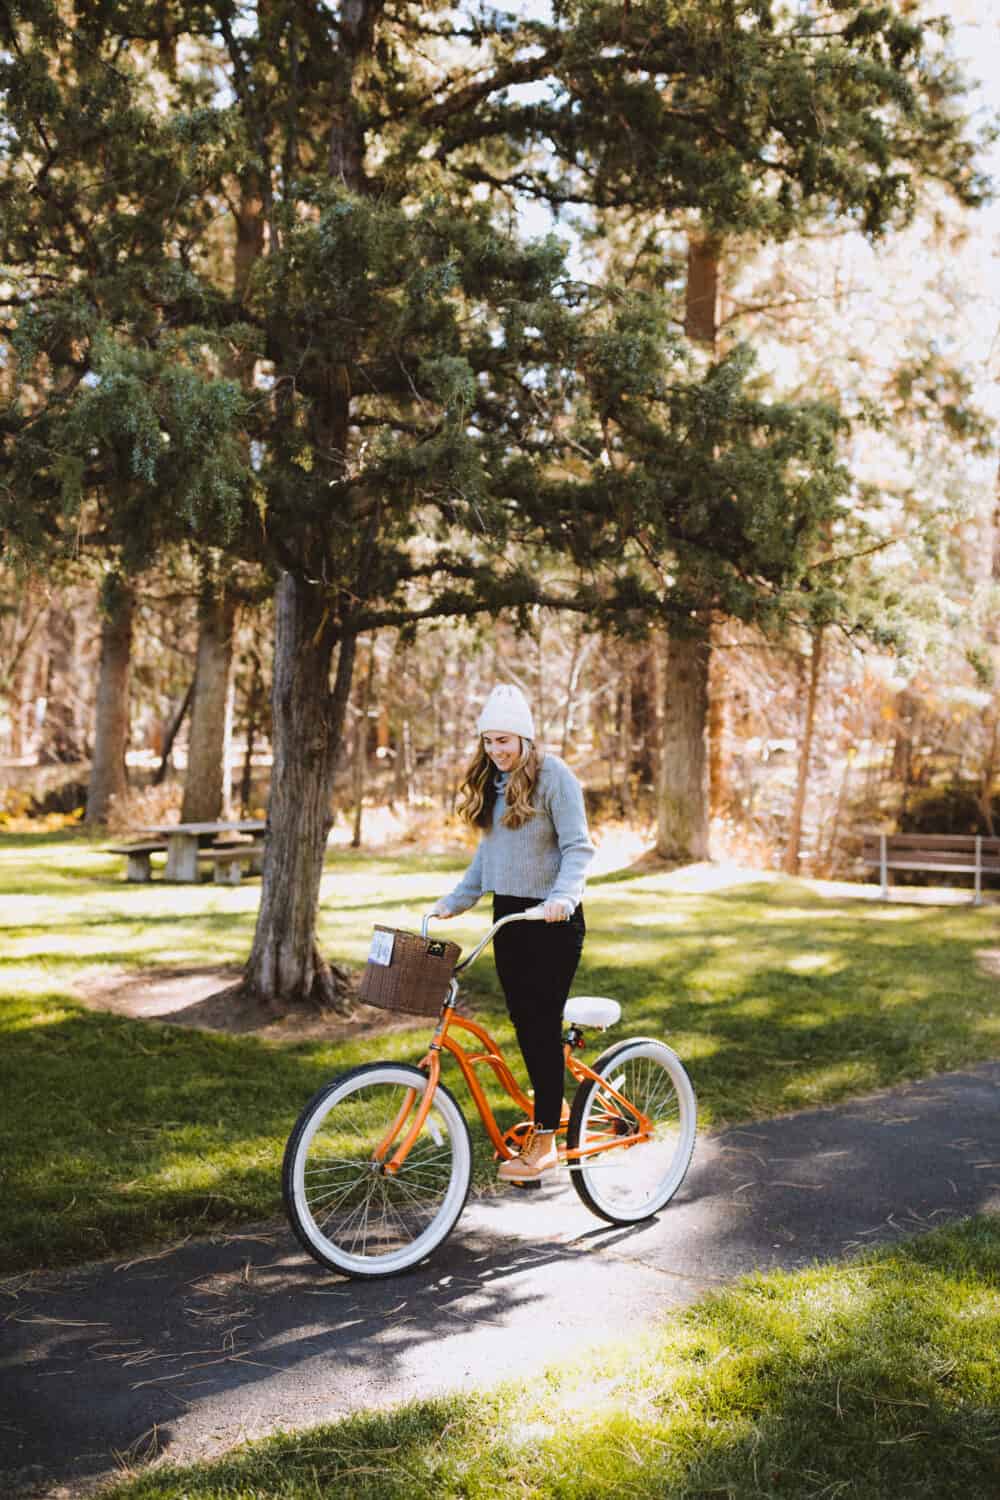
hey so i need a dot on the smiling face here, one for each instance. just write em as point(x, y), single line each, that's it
point(504, 750)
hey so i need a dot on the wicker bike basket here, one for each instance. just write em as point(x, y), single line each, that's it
point(408, 972)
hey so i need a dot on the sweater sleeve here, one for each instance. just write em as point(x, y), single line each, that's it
point(470, 887)
point(569, 819)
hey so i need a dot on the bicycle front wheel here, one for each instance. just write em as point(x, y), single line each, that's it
point(645, 1159)
point(345, 1208)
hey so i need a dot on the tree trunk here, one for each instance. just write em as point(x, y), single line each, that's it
point(682, 793)
point(63, 738)
point(308, 719)
point(172, 731)
point(406, 760)
point(285, 965)
point(207, 759)
point(25, 677)
point(227, 746)
point(720, 778)
point(541, 710)
point(646, 712)
point(828, 865)
point(572, 684)
point(904, 742)
point(701, 324)
point(701, 299)
point(254, 697)
point(248, 249)
point(207, 789)
point(790, 863)
point(25, 653)
point(361, 749)
point(625, 735)
point(108, 776)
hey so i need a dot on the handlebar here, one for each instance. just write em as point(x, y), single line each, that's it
point(533, 914)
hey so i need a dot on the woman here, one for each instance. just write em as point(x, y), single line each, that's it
point(534, 849)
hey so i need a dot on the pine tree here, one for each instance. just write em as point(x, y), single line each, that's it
point(433, 395)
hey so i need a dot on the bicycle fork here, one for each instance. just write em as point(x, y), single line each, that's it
point(402, 1151)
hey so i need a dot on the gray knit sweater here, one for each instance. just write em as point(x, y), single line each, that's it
point(545, 858)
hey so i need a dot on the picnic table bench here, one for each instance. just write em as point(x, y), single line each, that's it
point(945, 853)
point(139, 864)
point(231, 861)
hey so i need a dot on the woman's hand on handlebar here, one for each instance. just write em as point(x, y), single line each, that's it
point(558, 910)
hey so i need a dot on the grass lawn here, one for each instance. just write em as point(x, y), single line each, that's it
point(119, 1133)
point(879, 1378)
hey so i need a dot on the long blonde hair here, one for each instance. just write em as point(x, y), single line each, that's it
point(478, 794)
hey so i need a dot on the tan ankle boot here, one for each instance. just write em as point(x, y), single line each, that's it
point(538, 1155)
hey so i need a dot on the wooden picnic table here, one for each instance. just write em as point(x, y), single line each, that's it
point(183, 841)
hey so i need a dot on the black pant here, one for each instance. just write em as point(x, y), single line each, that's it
point(536, 962)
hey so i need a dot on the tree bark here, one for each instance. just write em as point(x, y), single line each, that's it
point(683, 781)
point(701, 299)
point(63, 735)
point(227, 746)
point(572, 684)
point(25, 650)
point(361, 749)
point(254, 699)
point(720, 792)
point(790, 863)
point(404, 764)
point(907, 715)
point(108, 778)
point(701, 324)
point(172, 731)
point(625, 735)
point(827, 866)
point(682, 792)
point(25, 674)
point(285, 965)
point(207, 759)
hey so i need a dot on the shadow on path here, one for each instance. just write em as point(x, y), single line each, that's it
point(192, 1350)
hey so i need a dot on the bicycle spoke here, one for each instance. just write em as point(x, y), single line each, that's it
point(650, 1123)
point(355, 1214)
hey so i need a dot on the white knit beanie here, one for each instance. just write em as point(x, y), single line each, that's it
point(506, 711)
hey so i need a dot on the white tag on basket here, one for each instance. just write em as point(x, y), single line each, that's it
point(380, 951)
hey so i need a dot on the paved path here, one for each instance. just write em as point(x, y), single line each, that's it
point(191, 1351)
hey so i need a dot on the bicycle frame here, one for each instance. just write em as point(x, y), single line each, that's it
point(491, 1056)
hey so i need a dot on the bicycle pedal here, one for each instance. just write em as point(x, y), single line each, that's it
point(527, 1187)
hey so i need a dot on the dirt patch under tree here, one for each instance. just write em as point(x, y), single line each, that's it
point(211, 998)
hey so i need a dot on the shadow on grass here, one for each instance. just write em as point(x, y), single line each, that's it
point(778, 1000)
point(775, 999)
point(120, 1132)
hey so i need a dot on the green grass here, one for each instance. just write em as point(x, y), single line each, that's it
point(120, 1133)
point(878, 1378)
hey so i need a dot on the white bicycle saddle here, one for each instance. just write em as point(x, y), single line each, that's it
point(592, 1010)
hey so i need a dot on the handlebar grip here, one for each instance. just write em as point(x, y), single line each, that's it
point(533, 914)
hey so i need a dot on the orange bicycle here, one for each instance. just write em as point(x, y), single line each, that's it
point(378, 1167)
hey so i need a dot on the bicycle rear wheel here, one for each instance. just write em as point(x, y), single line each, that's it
point(626, 1183)
point(345, 1209)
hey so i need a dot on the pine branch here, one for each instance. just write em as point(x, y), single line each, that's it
point(464, 101)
